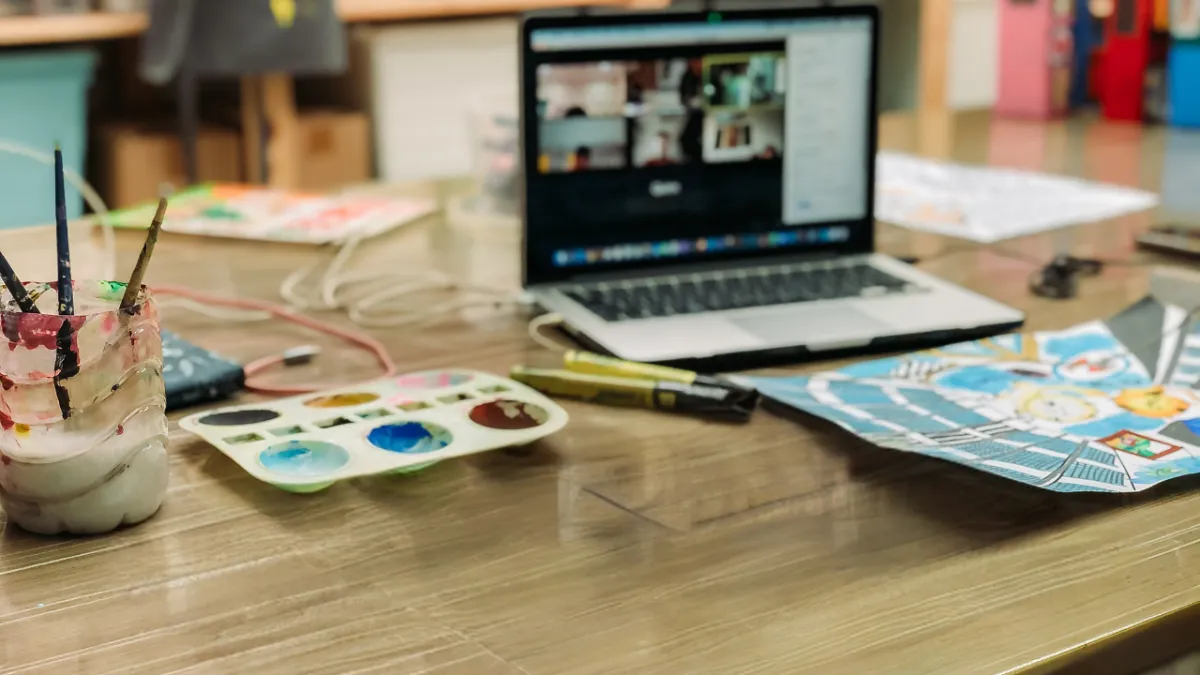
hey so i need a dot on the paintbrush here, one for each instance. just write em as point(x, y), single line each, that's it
point(66, 361)
point(66, 292)
point(16, 287)
point(143, 261)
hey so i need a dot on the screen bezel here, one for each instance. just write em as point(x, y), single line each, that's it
point(862, 232)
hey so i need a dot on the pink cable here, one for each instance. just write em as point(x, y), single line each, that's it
point(259, 365)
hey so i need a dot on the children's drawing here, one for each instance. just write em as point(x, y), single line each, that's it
point(1139, 445)
point(1105, 406)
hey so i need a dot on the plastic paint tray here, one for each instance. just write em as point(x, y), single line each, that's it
point(392, 425)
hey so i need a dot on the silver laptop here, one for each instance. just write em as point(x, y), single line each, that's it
point(701, 185)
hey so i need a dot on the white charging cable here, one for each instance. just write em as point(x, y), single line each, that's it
point(89, 194)
point(97, 205)
point(370, 299)
point(384, 299)
point(545, 321)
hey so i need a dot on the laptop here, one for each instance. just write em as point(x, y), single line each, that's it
point(701, 185)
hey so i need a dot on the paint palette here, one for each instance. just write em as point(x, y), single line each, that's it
point(392, 425)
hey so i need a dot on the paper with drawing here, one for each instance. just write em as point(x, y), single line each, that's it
point(1106, 406)
point(989, 204)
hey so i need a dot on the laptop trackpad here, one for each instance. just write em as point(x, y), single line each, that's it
point(813, 327)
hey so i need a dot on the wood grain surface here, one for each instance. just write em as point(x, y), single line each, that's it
point(631, 542)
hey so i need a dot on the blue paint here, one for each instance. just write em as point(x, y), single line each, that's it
point(882, 368)
point(981, 378)
point(1011, 342)
point(1074, 345)
point(409, 437)
point(307, 459)
point(1164, 469)
point(1107, 426)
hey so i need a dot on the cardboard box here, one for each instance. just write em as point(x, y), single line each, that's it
point(335, 149)
point(134, 161)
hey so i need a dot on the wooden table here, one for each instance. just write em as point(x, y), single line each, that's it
point(631, 542)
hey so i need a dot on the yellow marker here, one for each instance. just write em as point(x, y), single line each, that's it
point(595, 364)
point(716, 402)
point(285, 12)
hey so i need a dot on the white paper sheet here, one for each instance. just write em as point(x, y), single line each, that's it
point(990, 204)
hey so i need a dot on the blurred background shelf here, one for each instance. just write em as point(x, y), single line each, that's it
point(33, 30)
point(400, 10)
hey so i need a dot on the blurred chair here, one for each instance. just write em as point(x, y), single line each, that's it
point(262, 43)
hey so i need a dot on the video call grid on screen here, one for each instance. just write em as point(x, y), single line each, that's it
point(658, 127)
point(718, 108)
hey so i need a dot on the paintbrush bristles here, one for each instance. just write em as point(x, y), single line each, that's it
point(16, 287)
point(143, 261)
point(66, 292)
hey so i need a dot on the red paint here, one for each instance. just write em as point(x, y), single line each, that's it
point(33, 331)
point(6, 382)
point(6, 422)
point(120, 429)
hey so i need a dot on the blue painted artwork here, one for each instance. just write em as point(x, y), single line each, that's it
point(1095, 408)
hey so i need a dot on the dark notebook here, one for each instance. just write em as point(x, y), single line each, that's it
point(193, 375)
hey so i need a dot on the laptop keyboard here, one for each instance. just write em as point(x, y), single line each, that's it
point(721, 291)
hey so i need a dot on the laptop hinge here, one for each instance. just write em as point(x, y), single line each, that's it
point(676, 269)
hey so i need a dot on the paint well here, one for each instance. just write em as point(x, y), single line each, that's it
point(409, 437)
point(432, 379)
point(287, 431)
point(237, 418)
point(244, 438)
point(342, 400)
point(409, 405)
point(304, 459)
point(508, 415)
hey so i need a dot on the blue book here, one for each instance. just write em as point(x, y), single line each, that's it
point(195, 375)
point(1183, 83)
point(1087, 34)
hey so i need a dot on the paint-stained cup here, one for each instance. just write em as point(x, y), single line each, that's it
point(83, 430)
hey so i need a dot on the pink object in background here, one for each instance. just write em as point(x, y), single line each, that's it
point(1035, 58)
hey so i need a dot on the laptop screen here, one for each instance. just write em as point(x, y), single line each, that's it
point(650, 140)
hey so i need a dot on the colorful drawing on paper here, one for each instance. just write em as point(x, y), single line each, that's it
point(988, 204)
point(265, 214)
point(1104, 406)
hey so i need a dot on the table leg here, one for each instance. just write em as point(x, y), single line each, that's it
point(933, 54)
point(936, 127)
point(269, 110)
point(283, 125)
point(252, 129)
